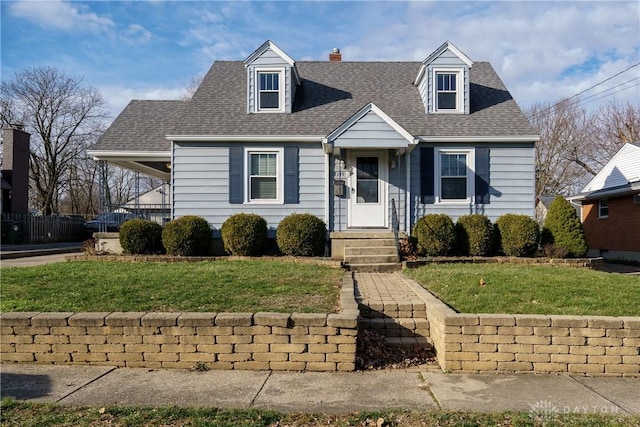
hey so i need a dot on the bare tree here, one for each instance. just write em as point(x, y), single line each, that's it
point(64, 117)
point(575, 143)
point(192, 87)
point(560, 162)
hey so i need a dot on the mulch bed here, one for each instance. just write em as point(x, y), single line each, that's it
point(373, 353)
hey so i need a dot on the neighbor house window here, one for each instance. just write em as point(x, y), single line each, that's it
point(455, 175)
point(269, 95)
point(603, 208)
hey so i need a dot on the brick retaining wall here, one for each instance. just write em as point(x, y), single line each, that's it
point(594, 345)
point(256, 341)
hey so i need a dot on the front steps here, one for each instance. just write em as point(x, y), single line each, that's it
point(403, 324)
point(367, 251)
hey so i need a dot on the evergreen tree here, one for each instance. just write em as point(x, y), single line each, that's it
point(563, 228)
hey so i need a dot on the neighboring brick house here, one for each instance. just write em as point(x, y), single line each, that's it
point(611, 207)
point(366, 146)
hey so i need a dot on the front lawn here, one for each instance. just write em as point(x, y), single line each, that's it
point(24, 413)
point(209, 286)
point(530, 289)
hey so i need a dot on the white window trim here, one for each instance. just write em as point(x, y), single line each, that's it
point(600, 216)
point(471, 182)
point(279, 200)
point(281, 82)
point(459, 90)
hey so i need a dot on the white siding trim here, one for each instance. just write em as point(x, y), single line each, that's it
point(246, 138)
point(495, 138)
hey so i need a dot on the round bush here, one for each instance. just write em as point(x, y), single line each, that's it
point(474, 235)
point(518, 234)
point(435, 234)
point(138, 236)
point(301, 235)
point(187, 236)
point(563, 229)
point(244, 234)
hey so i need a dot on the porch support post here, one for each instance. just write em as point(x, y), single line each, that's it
point(136, 203)
point(104, 199)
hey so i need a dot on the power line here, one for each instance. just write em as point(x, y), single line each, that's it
point(548, 109)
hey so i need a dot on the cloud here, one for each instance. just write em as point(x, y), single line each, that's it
point(61, 15)
point(117, 97)
point(136, 33)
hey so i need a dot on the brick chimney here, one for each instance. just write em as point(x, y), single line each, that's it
point(15, 170)
point(335, 55)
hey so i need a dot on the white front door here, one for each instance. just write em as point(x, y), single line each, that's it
point(368, 187)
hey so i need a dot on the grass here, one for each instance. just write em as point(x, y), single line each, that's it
point(209, 286)
point(531, 289)
point(15, 413)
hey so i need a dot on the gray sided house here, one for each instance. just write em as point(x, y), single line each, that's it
point(365, 146)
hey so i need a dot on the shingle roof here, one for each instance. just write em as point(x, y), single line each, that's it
point(329, 94)
point(142, 126)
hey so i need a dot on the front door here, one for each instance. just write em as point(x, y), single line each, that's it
point(368, 198)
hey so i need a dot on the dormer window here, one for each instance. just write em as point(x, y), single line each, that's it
point(269, 91)
point(448, 93)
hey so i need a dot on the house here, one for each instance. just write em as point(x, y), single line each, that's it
point(152, 205)
point(543, 202)
point(365, 146)
point(611, 207)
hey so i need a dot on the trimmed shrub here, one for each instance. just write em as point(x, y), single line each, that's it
point(244, 234)
point(474, 235)
point(187, 236)
point(563, 228)
point(139, 236)
point(301, 235)
point(518, 234)
point(435, 234)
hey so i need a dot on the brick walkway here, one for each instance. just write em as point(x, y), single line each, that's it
point(388, 305)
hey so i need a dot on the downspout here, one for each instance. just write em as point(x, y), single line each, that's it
point(407, 202)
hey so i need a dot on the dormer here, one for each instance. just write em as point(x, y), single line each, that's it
point(272, 80)
point(443, 81)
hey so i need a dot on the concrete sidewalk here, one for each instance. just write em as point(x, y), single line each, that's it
point(315, 392)
point(38, 249)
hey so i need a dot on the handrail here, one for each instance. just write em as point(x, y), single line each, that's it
point(395, 224)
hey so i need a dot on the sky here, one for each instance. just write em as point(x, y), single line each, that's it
point(543, 51)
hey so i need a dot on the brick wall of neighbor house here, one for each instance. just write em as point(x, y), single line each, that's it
point(614, 232)
point(255, 341)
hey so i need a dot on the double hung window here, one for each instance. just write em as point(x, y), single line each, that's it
point(447, 95)
point(263, 176)
point(269, 95)
point(453, 176)
point(603, 208)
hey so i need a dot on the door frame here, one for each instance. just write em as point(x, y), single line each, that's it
point(383, 179)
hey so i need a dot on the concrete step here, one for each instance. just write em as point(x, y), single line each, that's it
point(371, 259)
point(362, 234)
point(361, 242)
point(387, 267)
point(410, 342)
point(409, 310)
point(403, 327)
point(372, 250)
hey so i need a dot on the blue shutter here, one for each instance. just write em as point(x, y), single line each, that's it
point(236, 172)
point(482, 176)
point(291, 186)
point(427, 194)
